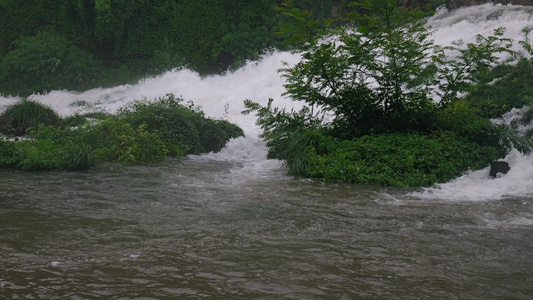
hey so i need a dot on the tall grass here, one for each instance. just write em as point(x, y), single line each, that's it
point(20, 117)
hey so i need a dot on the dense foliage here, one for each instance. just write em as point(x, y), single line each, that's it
point(130, 39)
point(182, 128)
point(80, 44)
point(383, 102)
point(142, 133)
point(395, 159)
point(504, 88)
point(46, 60)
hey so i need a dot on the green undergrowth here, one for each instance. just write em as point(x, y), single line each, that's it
point(142, 133)
point(457, 141)
point(504, 88)
point(401, 160)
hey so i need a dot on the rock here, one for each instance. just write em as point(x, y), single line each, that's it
point(499, 167)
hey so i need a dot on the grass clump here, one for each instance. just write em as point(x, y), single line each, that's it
point(20, 117)
point(48, 148)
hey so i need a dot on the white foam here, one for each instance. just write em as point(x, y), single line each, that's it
point(55, 263)
point(479, 186)
point(466, 23)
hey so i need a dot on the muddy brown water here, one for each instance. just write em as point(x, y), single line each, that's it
point(199, 230)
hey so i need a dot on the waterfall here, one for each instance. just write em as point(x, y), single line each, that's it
point(465, 24)
point(221, 96)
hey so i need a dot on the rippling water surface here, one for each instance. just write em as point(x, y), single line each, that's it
point(195, 229)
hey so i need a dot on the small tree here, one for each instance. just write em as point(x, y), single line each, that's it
point(382, 74)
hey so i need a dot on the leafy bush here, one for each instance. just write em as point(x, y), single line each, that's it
point(25, 114)
point(39, 155)
point(46, 62)
point(504, 88)
point(401, 160)
point(118, 141)
point(183, 129)
point(377, 82)
point(279, 125)
point(460, 118)
point(48, 148)
point(380, 76)
point(8, 152)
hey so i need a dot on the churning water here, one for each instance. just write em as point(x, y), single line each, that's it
point(232, 225)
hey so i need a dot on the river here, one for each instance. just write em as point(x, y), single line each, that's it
point(232, 225)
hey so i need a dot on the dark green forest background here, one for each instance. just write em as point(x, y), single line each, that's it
point(80, 44)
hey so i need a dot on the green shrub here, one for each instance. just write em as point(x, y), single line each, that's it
point(214, 134)
point(117, 141)
point(460, 118)
point(48, 148)
point(8, 153)
point(504, 88)
point(25, 114)
point(376, 82)
point(142, 133)
point(39, 155)
point(46, 62)
point(401, 160)
point(183, 129)
point(54, 148)
point(380, 76)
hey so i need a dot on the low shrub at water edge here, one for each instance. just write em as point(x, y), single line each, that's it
point(142, 133)
point(117, 141)
point(401, 160)
point(45, 153)
point(180, 125)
